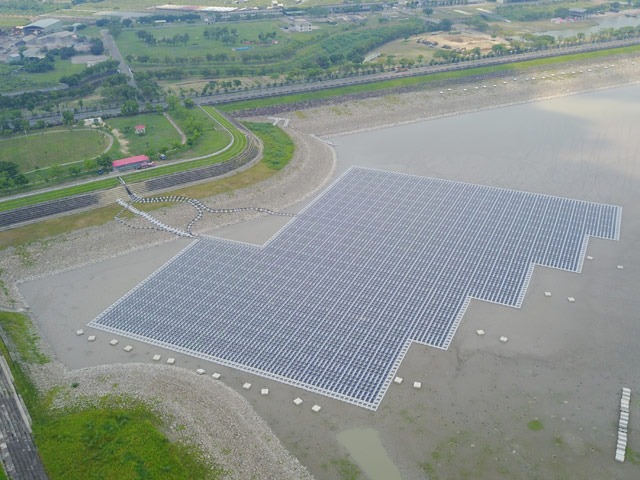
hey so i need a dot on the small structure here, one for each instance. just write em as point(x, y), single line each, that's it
point(130, 163)
point(140, 129)
point(302, 25)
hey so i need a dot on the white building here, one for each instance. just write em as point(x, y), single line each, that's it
point(302, 25)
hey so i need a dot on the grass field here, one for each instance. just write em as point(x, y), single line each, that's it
point(123, 443)
point(198, 45)
point(160, 133)
point(14, 80)
point(12, 21)
point(52, 147)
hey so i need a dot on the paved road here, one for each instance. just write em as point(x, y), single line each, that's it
point(114, 51)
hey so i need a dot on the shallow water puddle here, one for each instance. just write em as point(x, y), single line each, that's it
point(366, 449)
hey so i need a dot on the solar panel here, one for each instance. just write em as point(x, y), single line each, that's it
point(332, 302)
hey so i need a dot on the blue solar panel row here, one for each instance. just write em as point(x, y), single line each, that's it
point(333, 301)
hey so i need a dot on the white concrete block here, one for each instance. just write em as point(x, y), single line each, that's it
point(504, 339)
point(156, 358)
point(246, 386)
point(171, 361)
point(128, 348)
point(79, 332)
point(200, 371)
point(620, 267)
point(571, 299)
point(297, 401)
point(216, 376)
point(316, 408)
point(91, 338)
point(264, 391)
point(113, 342)
point(417, 385)
point(398, 380)
point(589, 257)
point(547, 294)
point(480, 332)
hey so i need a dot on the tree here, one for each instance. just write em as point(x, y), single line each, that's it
point(428, 11)
point(130, 107)
point(97, 47)
point(115, 29)
point(67, 117)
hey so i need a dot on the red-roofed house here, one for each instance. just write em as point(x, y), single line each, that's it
point(130, 163)
point(140, 129)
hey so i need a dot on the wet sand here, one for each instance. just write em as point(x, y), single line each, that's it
point(564, 363)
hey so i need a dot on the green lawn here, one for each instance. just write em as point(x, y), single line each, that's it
point(12, 79)
point(214, 137)
point(278, 146)
point(52, 147)
point(160, 133)
point(111, 443)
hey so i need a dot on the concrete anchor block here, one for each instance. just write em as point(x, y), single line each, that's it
point(571, 299)
point(417, 385)
point(547, 294)
point(128, 348)
point(200, 371)
point(216, 376)
point(171, 361)
point(480, 332)
point(297, 401)
point(264, 391)
point(316, 408)
point(79, 332)
point(504, 339)
point(113, 342)
point(156, 358)
point(246, 386)
point(91, 338)
point(398, 380)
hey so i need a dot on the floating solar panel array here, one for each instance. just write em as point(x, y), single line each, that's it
point(333, 301)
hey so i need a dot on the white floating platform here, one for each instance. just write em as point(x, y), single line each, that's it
point(171, 361)
point(91, 338)
point(480, 332)
point(589, 257)
point(128, 348)
point(417, 385)
point(316, 408)
point(264, 391)
point(547, 294)
point(571, 299)
point(246, 386)
point(620, 267)
point(113, 342)
point(398, 380)
point(504, 339)
point(216, 376)
point(156, 358)
point(200, 371)
point(79, 332)
point(297, 401)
